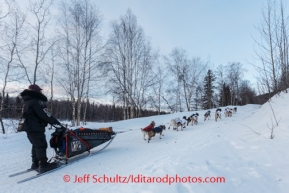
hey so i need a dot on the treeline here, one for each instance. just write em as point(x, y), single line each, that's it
point(61, 109)
point(222, 87)
point(69, 57)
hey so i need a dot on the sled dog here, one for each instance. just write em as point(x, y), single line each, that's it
point(228, 112)
point(176, 123)
point(193, 118)
point(218, 114)
point(153, 132)
point(207, 115)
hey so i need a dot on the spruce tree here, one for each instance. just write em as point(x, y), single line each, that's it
point(207, 100)
point(197, 100)
point(225, 95)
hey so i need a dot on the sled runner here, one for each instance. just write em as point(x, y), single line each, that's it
point(70, 143)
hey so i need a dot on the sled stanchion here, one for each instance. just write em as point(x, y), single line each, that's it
point(66, 148)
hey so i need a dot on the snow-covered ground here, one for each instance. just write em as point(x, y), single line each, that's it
point(237, 149)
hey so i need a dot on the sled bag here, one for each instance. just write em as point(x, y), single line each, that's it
point(80, 140)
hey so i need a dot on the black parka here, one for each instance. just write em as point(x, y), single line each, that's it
point(35, 111)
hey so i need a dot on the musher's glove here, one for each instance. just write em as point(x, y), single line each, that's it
point(62, 128)
point(59, 130)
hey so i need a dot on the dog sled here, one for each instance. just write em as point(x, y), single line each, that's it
point(70, 143)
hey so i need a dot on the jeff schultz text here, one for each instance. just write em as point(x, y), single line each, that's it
point(87, 178)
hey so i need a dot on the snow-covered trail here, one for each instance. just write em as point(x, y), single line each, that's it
point(227, 148)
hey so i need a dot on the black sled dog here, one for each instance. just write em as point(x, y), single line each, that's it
point(207, 115)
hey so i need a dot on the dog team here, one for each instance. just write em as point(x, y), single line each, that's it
point(177, 123)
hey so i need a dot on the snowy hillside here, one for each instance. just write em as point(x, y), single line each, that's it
point(237, 149)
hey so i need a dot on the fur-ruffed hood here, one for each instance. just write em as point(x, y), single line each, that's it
point(28, 94)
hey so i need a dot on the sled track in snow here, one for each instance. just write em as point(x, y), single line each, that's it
point(23, 155)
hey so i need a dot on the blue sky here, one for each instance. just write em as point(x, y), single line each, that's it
point(219, 30)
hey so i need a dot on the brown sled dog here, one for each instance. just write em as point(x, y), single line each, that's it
point(218, 114)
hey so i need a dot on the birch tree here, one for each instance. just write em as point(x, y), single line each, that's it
point(10, 33)
point(38, 44)
point(220, 80)
point(185, 72)
point(129, 59)
point(48, 70)
point(281, 25)
point(158, 88)
point(234, 74)
point(79, 47)
point(272, 48)
point(178, 64)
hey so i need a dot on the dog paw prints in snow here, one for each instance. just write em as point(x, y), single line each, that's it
point(235, 145)
point(267, 165)
point(158, 167)
point(255, 174)
point(236, 181)
point(254, 147)
point(182, 188)
point(239, 147)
